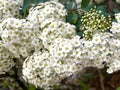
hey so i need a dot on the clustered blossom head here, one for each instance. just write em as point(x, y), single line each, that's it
point(43, 70)
point(99, 50)
point(56, 29)
point(20, 36)
point(6, 60)
point(115, 29)
point(9, 8)
point(93, 22)
point(43, 11)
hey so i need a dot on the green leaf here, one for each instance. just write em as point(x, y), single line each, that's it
point(89, 7)
point(39, 1)
point(80, 33)
point(116, 11)
point(31, 87)
point(69, 5)
point(26, 6)
point(84, 3)
point(101, 8)
point(118, 88)
point(78, 23)
point(72, 18)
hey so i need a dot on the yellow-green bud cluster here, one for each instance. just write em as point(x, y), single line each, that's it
point(93, 21)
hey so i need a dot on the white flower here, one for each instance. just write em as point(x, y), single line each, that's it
point(96, 39)
point(88, 44)
point(115, 27)
point(117, 16)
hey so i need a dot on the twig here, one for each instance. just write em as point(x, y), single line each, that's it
point(101, 79)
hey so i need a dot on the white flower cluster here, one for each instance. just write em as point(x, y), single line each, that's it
point(56, 29)
point(43, 70)
point(20, 36)
point(47, 10)
point(115, 29)
point(9, 8)
point(64, 53)
point(6, 62)
point(59, 39)
point(102, 50)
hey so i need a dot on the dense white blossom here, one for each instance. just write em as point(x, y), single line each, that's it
point(44, 71)
point(115, 29)
point(103, 50)
point(47, 10)
point(9, 8)
point(56, 29)
point(6, 61)
point(20, 36)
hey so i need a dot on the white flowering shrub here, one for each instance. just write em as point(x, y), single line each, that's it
point(102, 50)
point(115, 29)
point(51, 47)
point(19, 36)
point(6, 60)
point(47, 10)
point(43, 70)
point(56, 29)
point(9, 8)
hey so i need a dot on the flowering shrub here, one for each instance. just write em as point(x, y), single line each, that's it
point(51, 47)
point(20, 36)
point(47, 10)
point(9, 8)
point(6, 62)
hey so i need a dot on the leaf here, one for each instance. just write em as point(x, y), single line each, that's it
point(80, 33)
point(89, 7)
point(69, 5)
point(39, 1)
point(72, 18)
point(118, 88)
point(103, 10)
point(78, 23)
point(84, 3)
point(26, 6)
point(31, 87)
point(116, 11)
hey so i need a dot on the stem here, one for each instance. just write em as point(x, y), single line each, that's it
point(101, 79)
